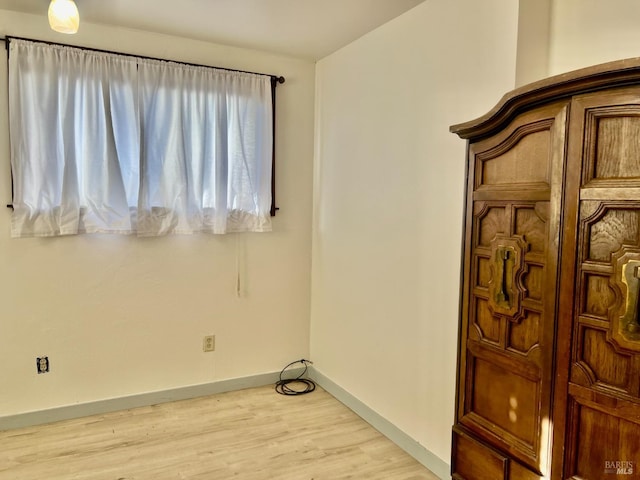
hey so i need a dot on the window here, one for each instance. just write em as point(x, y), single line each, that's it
point(110, 143)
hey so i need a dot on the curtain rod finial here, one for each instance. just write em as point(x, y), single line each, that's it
point(281, 80)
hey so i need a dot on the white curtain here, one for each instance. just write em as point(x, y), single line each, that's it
point(109, 143)
point(74, 140)
point(206, 150)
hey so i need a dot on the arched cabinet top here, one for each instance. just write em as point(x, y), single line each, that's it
point(607, 75)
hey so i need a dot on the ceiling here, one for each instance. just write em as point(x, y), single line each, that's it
point(310, 29)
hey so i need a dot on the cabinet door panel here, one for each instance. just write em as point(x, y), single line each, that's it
point(607, 445)
point(508, 312)
point(507, 400)
point(604, 372)
point(514, 166)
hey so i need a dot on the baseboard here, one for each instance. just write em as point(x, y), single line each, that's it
point(388, 429)
point(41, 417)
point(384, 426)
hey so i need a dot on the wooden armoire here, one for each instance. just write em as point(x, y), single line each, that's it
point(549, 353)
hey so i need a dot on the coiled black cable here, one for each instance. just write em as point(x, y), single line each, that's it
point(284, 385)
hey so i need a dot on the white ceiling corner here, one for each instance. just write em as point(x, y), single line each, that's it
point(310, 29)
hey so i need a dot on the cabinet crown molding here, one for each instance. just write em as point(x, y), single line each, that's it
point(607, 75)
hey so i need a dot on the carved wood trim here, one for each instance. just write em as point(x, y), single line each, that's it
point(608, 75)
point(514, 137)
point(506, 286)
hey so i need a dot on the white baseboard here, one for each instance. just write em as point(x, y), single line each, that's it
point(393, 433)
point(384, 426)
point(41, 417)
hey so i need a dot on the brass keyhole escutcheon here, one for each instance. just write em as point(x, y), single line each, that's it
point(634, 324)
point(503, 296)
point(505, 289)
point(624, 314)
point(504, 263)
point(631, 277)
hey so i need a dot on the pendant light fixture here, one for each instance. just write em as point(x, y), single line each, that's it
point(64, 16)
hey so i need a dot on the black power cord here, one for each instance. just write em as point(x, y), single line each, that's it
point(284, 385)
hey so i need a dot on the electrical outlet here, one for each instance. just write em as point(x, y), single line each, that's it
point(42, 364)
point(209, 343)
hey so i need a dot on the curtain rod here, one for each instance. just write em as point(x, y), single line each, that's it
point(275, 79)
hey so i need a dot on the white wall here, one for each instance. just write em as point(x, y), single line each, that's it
point(388, 194)
point(589, 32)
point(534, 37)
point(119, 315)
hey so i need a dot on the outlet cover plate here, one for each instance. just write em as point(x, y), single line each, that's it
point(42, 365)
point(209, 343)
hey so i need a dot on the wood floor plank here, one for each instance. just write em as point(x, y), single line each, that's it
point(252, 434)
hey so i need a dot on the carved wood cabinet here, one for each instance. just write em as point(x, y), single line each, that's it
point(549, 353)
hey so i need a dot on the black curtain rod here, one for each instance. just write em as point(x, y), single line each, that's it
point(275, 79)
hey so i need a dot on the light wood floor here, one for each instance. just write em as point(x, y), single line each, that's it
point(252, 434)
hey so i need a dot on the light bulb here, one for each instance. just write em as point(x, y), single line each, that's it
point(64, 16)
